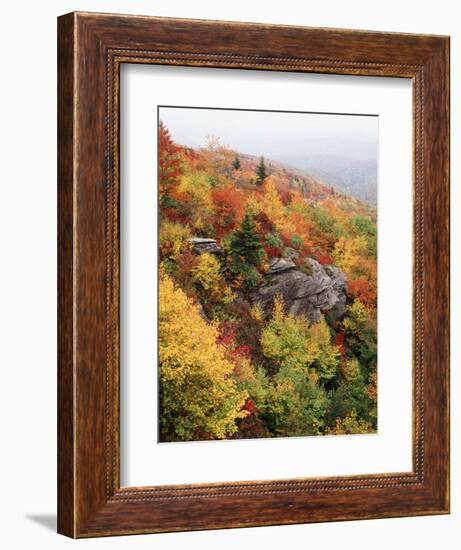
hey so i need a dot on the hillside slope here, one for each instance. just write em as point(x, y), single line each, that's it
point(279, 270)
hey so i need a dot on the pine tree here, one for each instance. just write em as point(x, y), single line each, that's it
point(245, 245)
point(236, 164)
point(261, 173)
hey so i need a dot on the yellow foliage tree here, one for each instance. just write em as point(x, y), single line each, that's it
point(327, 353)
point(207, 273)
point(272, 203)
point(290, 341)
point(199, 399)
point(351, 370)
point(350, 424)
point(356, 320)
point(257, 313)
point(174, 238)
point(207, 276)
point(285, 340)
point(347, 253)
point(254, 206)
point(196, 185)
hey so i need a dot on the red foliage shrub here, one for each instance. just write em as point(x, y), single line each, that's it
point(226, 335)
point(251, 427)
point(339, 342)
point(249, 406)
point(273, 251)
point(323, 259)
point(242, 351)
point(361, 289)
point(186, 261)
point(227, 338)
point(171, 214)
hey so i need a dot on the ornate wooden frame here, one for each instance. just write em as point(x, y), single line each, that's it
point(91, 48)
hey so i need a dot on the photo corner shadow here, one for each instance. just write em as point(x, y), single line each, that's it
point(48, 521)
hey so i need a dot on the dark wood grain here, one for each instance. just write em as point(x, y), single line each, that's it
point(91, 49)
point(66, 471)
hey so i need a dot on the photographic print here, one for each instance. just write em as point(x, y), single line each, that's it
point(267, 255)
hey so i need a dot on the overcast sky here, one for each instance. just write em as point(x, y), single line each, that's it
point(282, 136)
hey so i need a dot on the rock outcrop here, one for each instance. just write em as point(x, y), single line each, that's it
point(201, 245)
point(277, 265)
point(316, 290)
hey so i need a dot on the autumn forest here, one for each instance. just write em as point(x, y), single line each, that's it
point(267, 298)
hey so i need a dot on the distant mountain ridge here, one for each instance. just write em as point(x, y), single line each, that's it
point(354, 177)
point(351, 178)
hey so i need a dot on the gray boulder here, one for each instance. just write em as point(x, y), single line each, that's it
point(201, 245)
point(318, 290)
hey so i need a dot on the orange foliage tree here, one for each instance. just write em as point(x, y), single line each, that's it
point(228, 209)
point(170, 161)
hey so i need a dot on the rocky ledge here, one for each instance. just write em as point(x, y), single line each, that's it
point(201, 245)
point(316, 290)
point(277, 265)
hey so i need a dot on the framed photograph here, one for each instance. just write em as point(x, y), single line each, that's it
point(253, 275)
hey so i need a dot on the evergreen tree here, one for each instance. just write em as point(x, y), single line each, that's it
point(261, 173)
point(245, 245)
point(236, 164)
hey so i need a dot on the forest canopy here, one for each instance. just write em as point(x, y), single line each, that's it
point(268, 298)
